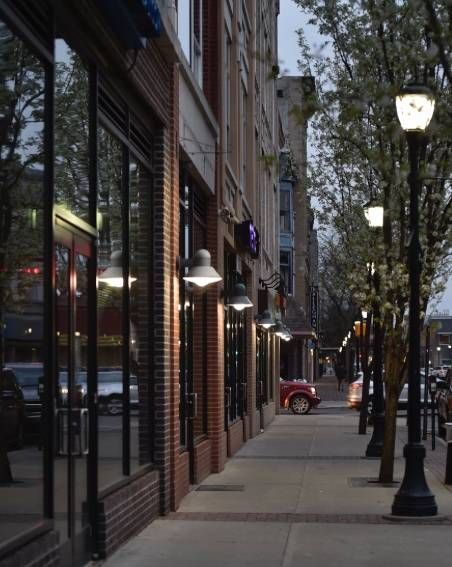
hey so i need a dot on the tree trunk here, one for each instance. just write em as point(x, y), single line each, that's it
point(387, 456)
point(394, 368)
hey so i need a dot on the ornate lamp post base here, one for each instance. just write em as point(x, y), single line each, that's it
point(414, 497)
point(375, 445)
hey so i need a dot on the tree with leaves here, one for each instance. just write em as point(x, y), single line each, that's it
point(21, 184)
point(360, 153)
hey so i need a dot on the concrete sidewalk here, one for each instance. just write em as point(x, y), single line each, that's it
point(298, 494)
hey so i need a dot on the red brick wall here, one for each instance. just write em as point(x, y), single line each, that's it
point(215, 346)
point(269, 413)
point(235, 437)
point(202, 460)
point(44, 546)
point(124, 512)
point(181, 478)
point(246, 427)
point(165, 300)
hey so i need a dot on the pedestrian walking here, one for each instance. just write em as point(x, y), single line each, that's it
point(340, 375)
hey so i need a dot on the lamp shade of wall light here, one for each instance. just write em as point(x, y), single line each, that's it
point(113, 275)
point(265, 320)
point(200, 271)
point(238, 299)
point(279, 330)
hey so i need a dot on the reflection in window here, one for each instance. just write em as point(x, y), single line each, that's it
point(234, 349)
point(139, 316)
point(189, 31)
point(71, 130)
point(284, 211)
point(21, 284)
point(109, 302)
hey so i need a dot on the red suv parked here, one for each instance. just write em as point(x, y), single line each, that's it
point(298, 395)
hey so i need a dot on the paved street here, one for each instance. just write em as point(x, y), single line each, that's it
point(299, 494)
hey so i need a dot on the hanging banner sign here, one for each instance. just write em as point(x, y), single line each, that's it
point(315, 309)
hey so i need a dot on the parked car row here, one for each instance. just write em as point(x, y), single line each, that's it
point(355, 393)
point(443, 396)
point(21, 390)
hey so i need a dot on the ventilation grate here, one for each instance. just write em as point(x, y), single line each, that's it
point(37, 17)
point(113, 109)
point(221, 488)
point(141, 139)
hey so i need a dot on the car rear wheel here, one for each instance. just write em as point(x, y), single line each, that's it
point(300, 405)
point(114, 405)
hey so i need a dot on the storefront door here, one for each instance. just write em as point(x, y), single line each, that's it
point(73, 251)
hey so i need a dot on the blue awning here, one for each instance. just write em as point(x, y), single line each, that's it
point(132, 20)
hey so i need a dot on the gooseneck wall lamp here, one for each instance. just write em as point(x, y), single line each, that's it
point(415, 105)
point(113, 275)
point(238, 299)
point(200, 271)
point(282, 331)
point(265, 320)
point(279, 329)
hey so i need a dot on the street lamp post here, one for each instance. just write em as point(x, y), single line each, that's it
point(375, 446)
point(374, 213)
point(415, 106)
point(365, 338)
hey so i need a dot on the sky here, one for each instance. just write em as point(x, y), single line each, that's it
point(291, 19)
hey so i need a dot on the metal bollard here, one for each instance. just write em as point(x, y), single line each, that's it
point(448, 479)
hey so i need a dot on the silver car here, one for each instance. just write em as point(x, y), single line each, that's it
point(109, 390)
point(355, 393)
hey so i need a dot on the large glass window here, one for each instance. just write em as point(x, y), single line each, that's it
point(285, 267)
point(200, 331)
point(244, 132)
point(139, 229)
point(228, 89)
point(110, 308)
point(124, 225)
point(262, 367)
point(285, 211)
point(193, 325)
point(21, 284)
point(71, 131)
point(234, 349)
point(189, 31)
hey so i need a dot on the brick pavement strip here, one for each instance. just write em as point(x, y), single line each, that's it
point(293, 518)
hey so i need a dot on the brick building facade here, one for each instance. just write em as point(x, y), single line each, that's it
point(133, 134)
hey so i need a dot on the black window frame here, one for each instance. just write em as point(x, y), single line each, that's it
point(122, 132)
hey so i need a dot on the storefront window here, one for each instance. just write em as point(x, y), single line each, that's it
point(110, 309)
point(139, 229)
point(199, 301)
point(71, 131)
point(262, 367)
point(234, 350)
point(21, 285)
point(192, 317)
